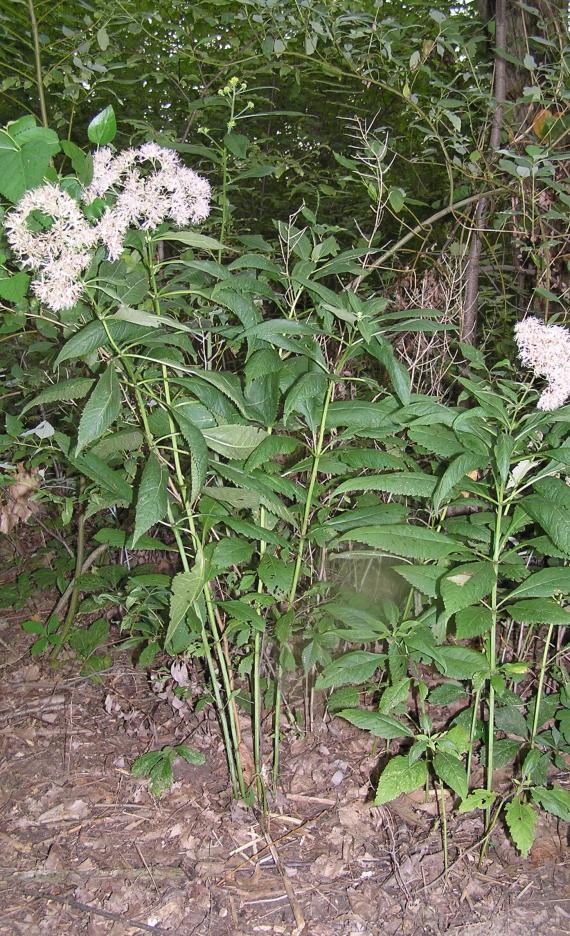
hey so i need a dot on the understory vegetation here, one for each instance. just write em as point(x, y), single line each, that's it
point(285, 375)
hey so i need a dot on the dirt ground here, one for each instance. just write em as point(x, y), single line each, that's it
point(86, 849)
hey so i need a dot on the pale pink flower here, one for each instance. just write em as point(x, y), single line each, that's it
point(546, 349)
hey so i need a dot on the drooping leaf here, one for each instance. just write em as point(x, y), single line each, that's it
point(454, 474)
point(553, 518)
point(96, 335)
point(554, 799)
point(407, 483)
point(186, 587)
point(379, 725)
point(234, 441)
point(152, 501)
point(414, 542)
point(74, 389)
point(198, 452)
point(544, 584)
point(270, 447)
point(101, 409)
point(521, 819)
point(450, 769)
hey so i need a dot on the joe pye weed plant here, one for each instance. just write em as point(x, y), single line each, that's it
point(228, 404)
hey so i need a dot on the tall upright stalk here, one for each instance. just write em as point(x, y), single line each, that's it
point(492, 647)
point(229, 723)
point(38, 62)
point(298, 566)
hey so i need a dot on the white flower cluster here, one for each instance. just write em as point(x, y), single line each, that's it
point(546, 349)
point(172, 192)
point(61, 253)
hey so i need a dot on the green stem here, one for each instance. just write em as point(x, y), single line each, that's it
point(229, 723)
point(541, 676)
point(38, 62)
point(79, 559)
point(297, 569)
point(476, 703)
point(443, 813)
point(492, 656)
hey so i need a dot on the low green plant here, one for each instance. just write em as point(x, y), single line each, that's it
point(157, 766)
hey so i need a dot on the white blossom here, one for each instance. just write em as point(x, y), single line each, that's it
point(171, 191)
point(546, 349)
point(142, 200)
point(60, 253)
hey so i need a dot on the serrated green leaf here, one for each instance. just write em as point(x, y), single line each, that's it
point(553, 518)
point(539, 611)
point(460, 662)
point(554, 799)
point(25, 154)
point(350, 669)
point(521, 820)
point(544, 584)
point(450, 769)
point(234, 441)
point(466, 584)
point(198, 452)
point(74, 389)
point(472, 622)
point(454, 474)
point(309, 387)
point(378, 724)
point(394, 695)
point(398, 374)
point(399, 776)
point(406, 483)
point(478, 799)
point(196, 758)
point(185, 590)
point(422, 577)
point(414, 542)
point(152, 500)
point(101, 409)
point(270, 447)
point(95, 335)
point(14, 288)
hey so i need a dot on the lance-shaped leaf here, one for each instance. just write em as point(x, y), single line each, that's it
point(414, 542)
point(185, 590)
point(198, 452)
point(455, 473)
point(152, 501)
point(101, 409)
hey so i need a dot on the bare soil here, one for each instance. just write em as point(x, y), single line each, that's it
point(85, 848)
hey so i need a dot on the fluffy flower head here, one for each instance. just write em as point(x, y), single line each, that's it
point(170, 192)
point(143, 200)
point(60, 253)
point(546, 349)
